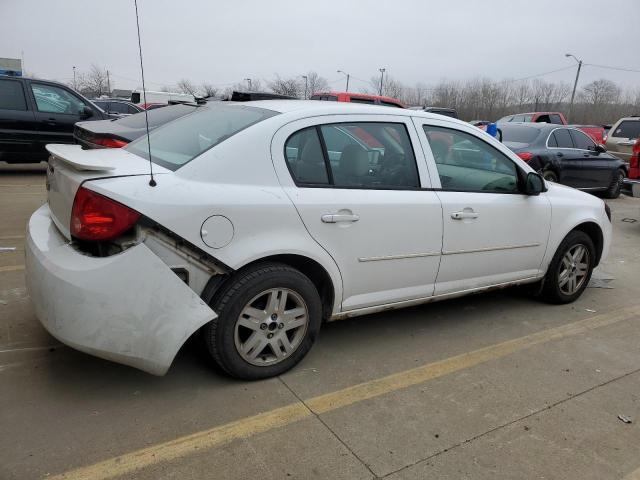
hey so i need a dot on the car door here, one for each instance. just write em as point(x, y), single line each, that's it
point(17, 122)
point(57, 110)
point(569, 160)
point(358, 185)
point(596, 171)
point(492, 233)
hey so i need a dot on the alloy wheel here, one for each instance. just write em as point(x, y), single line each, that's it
point(574, 269)
point(271, 326)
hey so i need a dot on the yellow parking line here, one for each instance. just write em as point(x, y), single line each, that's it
point(12, 268)
point(280, 417)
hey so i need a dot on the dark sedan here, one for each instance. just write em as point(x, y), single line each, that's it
point(118, 132)
point(564, 154)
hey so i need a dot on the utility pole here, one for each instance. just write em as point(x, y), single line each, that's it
point(575, 84)
point(248, 80)
point(108, 84)
point(75, 84)
point(345, 73)
point(306, 85)
point(382, 70)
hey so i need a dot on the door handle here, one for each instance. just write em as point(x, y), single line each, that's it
point(560, 154)
point(462, 215)
point(50, 121)
point(339, 217)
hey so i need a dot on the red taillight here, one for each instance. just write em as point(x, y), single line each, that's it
point(109, 142)
point(634, 161)
point(96, 217)
point(526, 156)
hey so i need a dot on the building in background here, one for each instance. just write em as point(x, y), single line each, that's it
point(11, 66)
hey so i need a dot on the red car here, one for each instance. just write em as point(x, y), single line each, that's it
point(358, 98)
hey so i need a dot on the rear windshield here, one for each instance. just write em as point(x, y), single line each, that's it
point(519, 134)
point(179, 142)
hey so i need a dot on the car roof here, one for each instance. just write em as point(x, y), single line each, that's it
point(538, 126)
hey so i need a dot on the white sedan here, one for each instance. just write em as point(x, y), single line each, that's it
point(268, 218)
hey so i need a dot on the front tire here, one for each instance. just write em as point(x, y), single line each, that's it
point(269, 316)
point(616, 185)
point(570, 269)
point(550, 176)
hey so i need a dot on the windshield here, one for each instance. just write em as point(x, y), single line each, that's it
point(179, 142)
point(519, 134)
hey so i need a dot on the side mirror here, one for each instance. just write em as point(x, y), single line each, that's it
point(86, 112)
point(600, 148)
point(534, 184)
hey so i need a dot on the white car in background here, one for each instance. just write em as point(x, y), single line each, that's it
point(271, 217)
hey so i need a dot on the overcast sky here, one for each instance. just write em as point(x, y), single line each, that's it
point(222, 42)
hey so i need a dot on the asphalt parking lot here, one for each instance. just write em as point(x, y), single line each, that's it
point(486, 387)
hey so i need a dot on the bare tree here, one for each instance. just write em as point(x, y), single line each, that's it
point(186, 86)
point(208, 90)
point(291, 87)
point(94, 82)
point(316, 83)
point(601, 92)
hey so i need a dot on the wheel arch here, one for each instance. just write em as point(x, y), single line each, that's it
point(318, 275)
point(594, 232)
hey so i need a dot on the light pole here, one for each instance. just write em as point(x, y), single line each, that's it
point(382, 70)
point(249, 82)
point(306, 85)
point(75, 85)
point(345, 73)
point(575, 84)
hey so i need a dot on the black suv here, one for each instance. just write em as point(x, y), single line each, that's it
point(34, 113)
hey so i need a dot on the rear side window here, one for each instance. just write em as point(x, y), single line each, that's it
point(305, 158)
point(12, 95)
point(627, 129)
point(361, 100)
point(581, 140)
point(561, 138)
point(368, 155)
point(179, 142)
point(555, 119)
point(117, 107)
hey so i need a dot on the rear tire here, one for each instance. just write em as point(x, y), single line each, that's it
point(269, 316)
point(616, 185)
point(570, 269)
point(550, 176)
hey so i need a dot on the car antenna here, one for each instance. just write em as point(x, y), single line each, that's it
point(152, 182)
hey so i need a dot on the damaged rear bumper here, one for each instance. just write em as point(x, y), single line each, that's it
point(129, 308)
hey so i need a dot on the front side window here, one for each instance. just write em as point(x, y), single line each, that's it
point(180, 141)
point(12, 95)
point(627, 129)
point(51, 99)
point(467, 163)
point(582, 141)
point(369, 155)
point(560, 138)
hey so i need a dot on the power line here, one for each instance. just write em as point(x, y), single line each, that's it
point(613, 68)
point(540, 74)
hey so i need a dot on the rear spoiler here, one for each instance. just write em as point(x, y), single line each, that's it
point(77, 158)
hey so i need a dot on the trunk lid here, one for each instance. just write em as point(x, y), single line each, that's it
point(69, 166)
